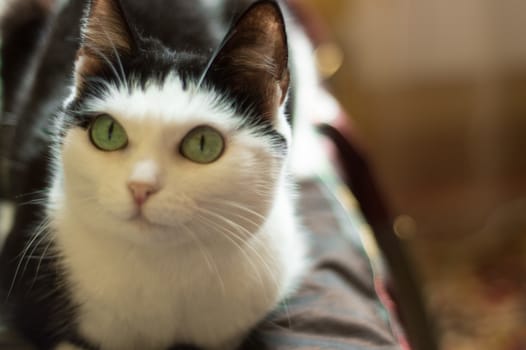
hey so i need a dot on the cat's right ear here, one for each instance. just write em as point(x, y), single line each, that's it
point(252, 62)
point(105, 37)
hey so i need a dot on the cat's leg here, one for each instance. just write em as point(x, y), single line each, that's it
point(66, 346)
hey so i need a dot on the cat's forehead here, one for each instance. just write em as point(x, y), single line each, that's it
point(169, 102)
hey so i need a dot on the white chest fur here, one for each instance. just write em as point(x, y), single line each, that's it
point(136, 297)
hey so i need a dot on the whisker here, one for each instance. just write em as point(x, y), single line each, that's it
point(37, 192)
point(41, 239)
point(240, 239)
point(259, 257)
point(108, 62)
point(40, 262)
point(36, 201)
point(235, 205)
point(124, 81)
point(225, 234)
point(208, 257)
point(38, 232)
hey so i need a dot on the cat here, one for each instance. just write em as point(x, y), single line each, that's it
point(162, 148)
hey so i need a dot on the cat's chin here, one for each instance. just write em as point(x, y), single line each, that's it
point(137, 227)
point(141, 221)
point(143, 231)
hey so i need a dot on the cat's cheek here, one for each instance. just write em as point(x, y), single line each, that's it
point(94, 180)
point(77, 163)
point(117, 203)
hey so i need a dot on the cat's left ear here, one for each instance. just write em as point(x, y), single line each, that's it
point(252, 63)
point(105, 37)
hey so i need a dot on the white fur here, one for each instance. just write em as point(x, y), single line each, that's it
point(312, 105)
point(218, 245)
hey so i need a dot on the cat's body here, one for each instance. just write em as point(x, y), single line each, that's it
point(162, 240)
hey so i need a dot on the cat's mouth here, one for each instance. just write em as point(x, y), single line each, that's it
point(141, 220)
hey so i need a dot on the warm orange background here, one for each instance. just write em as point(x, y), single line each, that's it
point(437, 93)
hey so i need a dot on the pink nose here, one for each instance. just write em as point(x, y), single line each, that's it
point(141, 191)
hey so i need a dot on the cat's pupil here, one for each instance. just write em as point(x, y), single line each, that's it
point(110, 130)
point(202, 143)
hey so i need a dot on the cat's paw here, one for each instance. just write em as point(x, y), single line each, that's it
point(66, 346)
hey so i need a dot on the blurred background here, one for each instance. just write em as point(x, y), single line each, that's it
point(436, 94)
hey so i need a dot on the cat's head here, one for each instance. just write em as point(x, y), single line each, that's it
point(164, 145)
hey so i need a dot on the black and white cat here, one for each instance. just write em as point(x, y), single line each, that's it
point(169, 217)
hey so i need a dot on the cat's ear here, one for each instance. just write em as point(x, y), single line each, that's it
point(252, 62)
point(105, 36)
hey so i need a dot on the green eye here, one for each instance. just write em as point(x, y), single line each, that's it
point(203, 145)
point(107, 134)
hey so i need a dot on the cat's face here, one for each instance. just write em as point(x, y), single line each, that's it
point(186, 194)
point(165, 159)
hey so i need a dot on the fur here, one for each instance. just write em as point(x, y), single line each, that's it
point(217, 246)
